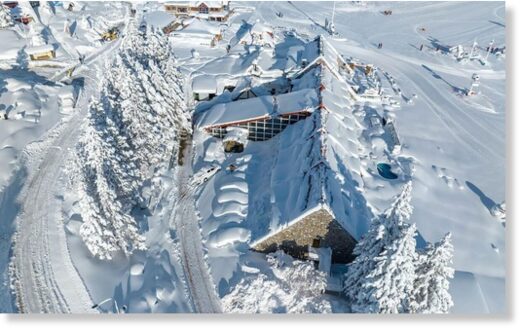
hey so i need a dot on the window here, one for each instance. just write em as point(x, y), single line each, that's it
point(203, 9)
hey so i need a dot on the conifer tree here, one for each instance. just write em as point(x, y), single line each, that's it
point(380, 279)
point(431, 285)
point(131, 134)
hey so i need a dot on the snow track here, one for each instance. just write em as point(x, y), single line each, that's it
point(185, 220)
point(44, 276)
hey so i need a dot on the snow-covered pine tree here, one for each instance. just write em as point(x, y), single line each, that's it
point(131, 133)
point(431, 285)
point(6, 20)
point(380, 279)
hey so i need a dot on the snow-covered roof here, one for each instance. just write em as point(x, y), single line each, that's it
point(39, 49)
point(210, 4)
point(258, 108)
point(297, 101)
point(320, 50)
point(318, 163)
point(158, 19)
point(204, 84)
point(198, 26)
point(238, 111)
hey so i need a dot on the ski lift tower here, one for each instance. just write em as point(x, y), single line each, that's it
point(473, 54)
point(475, 82)
point(490, 46)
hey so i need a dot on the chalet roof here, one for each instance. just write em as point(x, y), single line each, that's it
point(210, 4)
point(200, 27)
point(158, 19)
point(204, 84)
point(321, 51)
point(318, 165)
point(257, 108)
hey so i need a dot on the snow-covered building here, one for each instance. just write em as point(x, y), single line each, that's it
point(38, 53)
point(199, 31)
point(161, 20)
point(316, 180)
point(204, 88)
point(264, 116)
point(320, 52)
point(209, 10)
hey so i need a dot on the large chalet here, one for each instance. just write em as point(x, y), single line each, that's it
point(210, 10)
point(318, 202)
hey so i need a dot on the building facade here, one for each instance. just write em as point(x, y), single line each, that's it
point(318, 229)
point(210, 10)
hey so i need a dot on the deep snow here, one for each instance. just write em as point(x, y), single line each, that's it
point(453, 147)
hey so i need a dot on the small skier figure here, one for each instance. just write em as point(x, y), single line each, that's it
point(421, 48)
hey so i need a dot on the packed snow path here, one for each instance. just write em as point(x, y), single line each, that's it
point(44, 275)
point(185, 220)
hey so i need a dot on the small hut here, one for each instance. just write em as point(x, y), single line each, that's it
point(38, 53)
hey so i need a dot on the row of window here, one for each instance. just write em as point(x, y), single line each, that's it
point(262, 130)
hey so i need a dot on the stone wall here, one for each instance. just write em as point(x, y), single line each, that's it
point(295, 239)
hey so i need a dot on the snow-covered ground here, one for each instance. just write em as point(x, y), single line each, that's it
point(455, 145)
point(206, 214)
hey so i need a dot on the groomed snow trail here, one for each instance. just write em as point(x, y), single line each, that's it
point(45, 278)
point(185, 220)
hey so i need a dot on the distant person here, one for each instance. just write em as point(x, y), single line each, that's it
point(421, 48)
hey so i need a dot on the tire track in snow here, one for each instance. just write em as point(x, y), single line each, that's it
point(456, 129)
point(41, 283)
point(186, 221)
